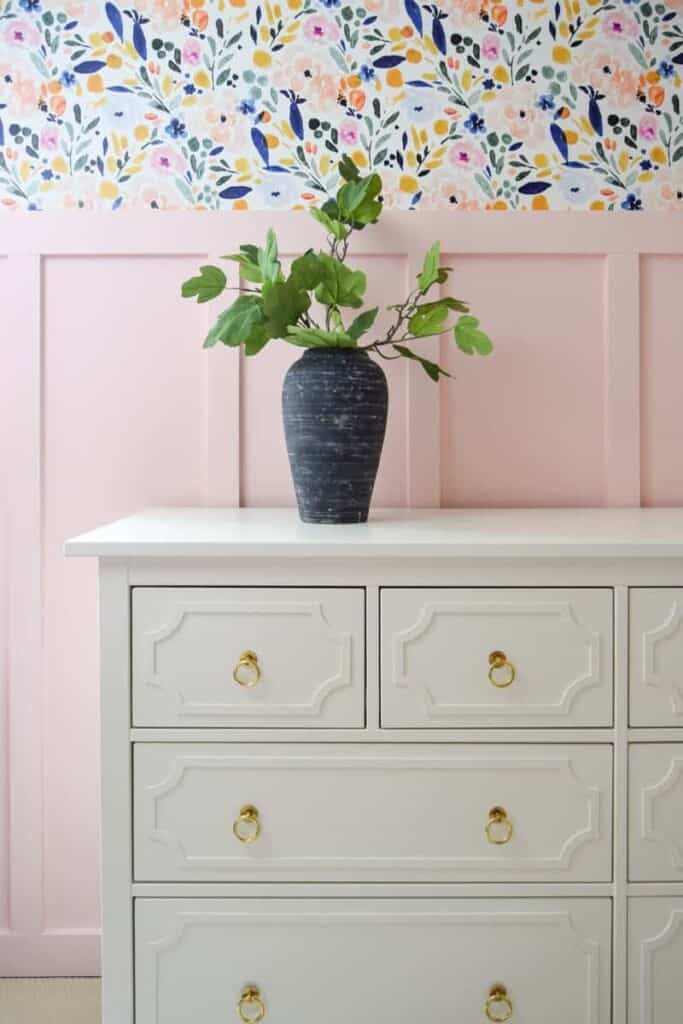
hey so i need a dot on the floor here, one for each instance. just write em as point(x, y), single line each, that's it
point(50, 1001)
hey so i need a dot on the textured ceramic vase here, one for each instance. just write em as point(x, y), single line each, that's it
point(334, 404)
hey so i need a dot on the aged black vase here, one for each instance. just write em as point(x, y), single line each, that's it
point(334, 404)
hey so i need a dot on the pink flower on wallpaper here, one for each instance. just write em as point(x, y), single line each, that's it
point(319, 29)
point(490, 46)
point(192, 52)
point(647, 128)
point(619, 25)
point(466, 156)
point(518, 114)
point(49, 138)
point(349, 132)
point(311, 75)
point(610, 73)
point(21, 32)
point(166, 161)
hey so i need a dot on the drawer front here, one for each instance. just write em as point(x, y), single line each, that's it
point(655, 925)
point(354, 960)
point(297, 654)
point(372, 813)
point(655, 819)
point(485, 658)
point(656, 670)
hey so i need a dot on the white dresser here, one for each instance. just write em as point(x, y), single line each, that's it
point(425, 769)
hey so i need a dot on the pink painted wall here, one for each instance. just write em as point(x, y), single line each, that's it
point(108, 403)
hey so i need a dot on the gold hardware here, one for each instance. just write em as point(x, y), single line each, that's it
point(247, 826)
point(246, 672)
point(251, 998)
point(498, 819)
point(498, 662)
point(498, 997)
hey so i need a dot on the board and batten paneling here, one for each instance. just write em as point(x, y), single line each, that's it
point(108, 404)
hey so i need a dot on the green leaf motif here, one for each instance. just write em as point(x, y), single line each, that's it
point(307, 271)
point(339, 285)
point(428, 319)
point(357, 200)
point(347, 168)
point(316, 337)
point(268, 261)
point(433, 370)
point(236, 325)
point(247, 258)
point(363, 323)
point(429, 274)
point(207, 286)
point(470, 338)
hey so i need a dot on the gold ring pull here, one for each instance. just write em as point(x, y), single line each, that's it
point(246, 672)
point(247, 826)
point(251, 1007)
point(498, 662)
point(498, 1006)
point(499, 827)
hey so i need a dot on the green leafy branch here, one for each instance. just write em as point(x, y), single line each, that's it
point(274, 305)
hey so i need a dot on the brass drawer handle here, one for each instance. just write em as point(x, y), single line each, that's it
point(251, 1007)
point(499, 827)
point(498, 663)
point(247, 672)
point(498, 998)
point(247, 826)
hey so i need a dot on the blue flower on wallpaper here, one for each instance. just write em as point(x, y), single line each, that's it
point(248, 104)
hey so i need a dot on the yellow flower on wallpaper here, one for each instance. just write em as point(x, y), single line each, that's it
point(239, 104)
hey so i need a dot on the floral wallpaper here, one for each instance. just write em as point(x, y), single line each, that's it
point(224, 104)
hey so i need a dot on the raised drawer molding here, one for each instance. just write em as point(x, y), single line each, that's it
point(373, 813)
point(385, 961)
point(388, 773)
point(439, 650)
point(308, 670)
point(655, 960)
point(657, 656)
point(656, 812)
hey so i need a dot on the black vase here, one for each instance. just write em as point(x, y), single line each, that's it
point(334, 405)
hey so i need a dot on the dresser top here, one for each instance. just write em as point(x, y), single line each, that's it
point(422, 533)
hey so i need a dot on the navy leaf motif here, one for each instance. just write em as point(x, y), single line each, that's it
point(560, 140)
point(89, 67)
point(2, 135)
point(139, 41)
point(388, 62)
point(595, 115)
point(115, 19)
point(534, 188)
point(296, 120)
point(118, 88)
point(259, 140)
point(235, 192)
point(678, 59)
point(414, 13)
point(438, 35)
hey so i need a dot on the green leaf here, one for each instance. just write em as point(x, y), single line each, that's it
point(470, 339)
point(332, 226)
point(207, 286)
point(307, 271)
point(283, 304)
point(347, 169)
point(433, 370)
point(429, 274)
point(267, 258)
point(428, 319)
point(236, 324)
point(357, 200)
point(315, 337)
point(248, 259)
point(363, 323)
point(339, 285)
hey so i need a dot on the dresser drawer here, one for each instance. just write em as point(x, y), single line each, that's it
point(656, 639)
point(655, 926)
point(386, 961)
point(240, 656)
point(372, 813)
point(485, 658)
point(655, 818)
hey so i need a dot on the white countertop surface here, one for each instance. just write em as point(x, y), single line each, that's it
point(425, 533)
